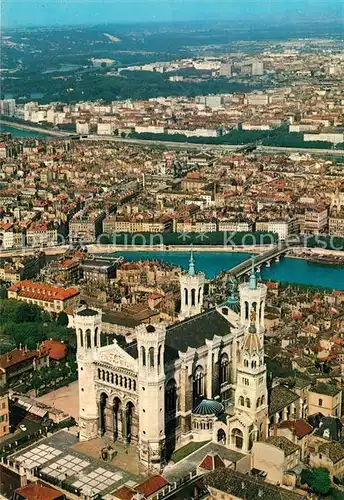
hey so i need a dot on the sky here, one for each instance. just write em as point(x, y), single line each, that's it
point(72, 12)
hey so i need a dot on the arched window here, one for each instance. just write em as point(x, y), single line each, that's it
point(129, 384)
point(112, 378)
point(99, 372)
point(246, 310)
point(107, 377)
point(103, 374)
point(121, 380)
point(186, 296)
point(221, 436)
point(258, 403)
point(159, 355)
point(81, 338)
point(262, 401)
point(134, 385)
point(248, 403)
point(125, 382)
point(198, 382)
point(241, 401)
point(193, 297)
point(96, 337)
point(88, 339)
point(224, 369)
point(171, 398)
point(143, 356)
point(254, 364)
point(245, 363)
point(199, 295)
point(320, 402)
point(116, 379)
point(151, 357)
point(237, 438)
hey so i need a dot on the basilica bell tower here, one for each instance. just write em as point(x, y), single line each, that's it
point(191, 290)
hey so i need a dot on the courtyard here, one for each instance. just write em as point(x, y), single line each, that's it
point(65, 399)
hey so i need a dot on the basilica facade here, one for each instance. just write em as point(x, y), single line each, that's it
point(201, 378)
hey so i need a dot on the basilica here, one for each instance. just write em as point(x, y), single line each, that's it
point(201, 378)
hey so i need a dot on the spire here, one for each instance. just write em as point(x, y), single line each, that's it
point(252, 284)
point(232, 301)
point(192, 270)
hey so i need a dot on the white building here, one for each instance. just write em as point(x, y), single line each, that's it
point(168, 386)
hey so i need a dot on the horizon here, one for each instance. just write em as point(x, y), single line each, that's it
point(23, 14)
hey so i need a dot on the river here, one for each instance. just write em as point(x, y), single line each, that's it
point(212, 263)
point(16, 132)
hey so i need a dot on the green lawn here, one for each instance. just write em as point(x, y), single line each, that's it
point(186, 450)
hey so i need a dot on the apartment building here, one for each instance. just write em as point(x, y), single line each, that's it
point(41, 235)
point(230, 225)
point(281, 227)
point(336, 226)
point(313, 220)
point(195, 226)
point(4, 413)
point(86, 227)
point(50, 298)
point(18, 363)
point(115, 224)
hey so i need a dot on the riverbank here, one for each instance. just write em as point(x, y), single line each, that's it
point(105, 249)
point(32, 128)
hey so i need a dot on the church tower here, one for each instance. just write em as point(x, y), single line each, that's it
point(151, 391)
point(87, 324)
point(191, 290)
point(252, 298)
point(251, 396)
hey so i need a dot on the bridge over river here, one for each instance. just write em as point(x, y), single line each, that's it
point(222, 285)
point(264, 258)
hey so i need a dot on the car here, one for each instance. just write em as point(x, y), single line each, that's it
point(22, 427)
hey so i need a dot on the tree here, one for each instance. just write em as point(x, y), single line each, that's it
point(62, 319)
point(318, 479)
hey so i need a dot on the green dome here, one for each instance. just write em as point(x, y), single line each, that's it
point(208, 407)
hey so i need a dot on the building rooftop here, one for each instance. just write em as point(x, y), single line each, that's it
point(191, 462)
point(241, 485)
point(151, 485)
point(300, 427)
point(280, 397)
point(56, 459)
point(192, 332)
point(87, 312)
point(38, 491)
point(327, 389)
point(42, 291)
point(333, 450)
point(283, 443)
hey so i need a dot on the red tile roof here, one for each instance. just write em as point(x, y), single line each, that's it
point(56, 350)
point(42, 291)
point(124, 493)
point(35, 491)
point(151, 485)
point(18, 356)
point(301, 427)
point(212, 462)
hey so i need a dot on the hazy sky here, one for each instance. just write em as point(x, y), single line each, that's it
point(54, 12)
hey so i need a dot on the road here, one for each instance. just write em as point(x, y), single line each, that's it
point(176, 145)
point(221, 147)
point(32, 128)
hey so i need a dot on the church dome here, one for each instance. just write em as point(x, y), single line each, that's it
point(208, 407)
